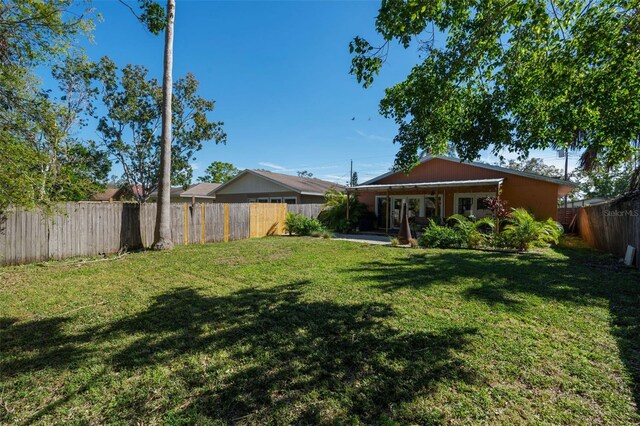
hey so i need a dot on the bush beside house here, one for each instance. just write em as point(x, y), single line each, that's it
point(302, 225)
point(521, 231)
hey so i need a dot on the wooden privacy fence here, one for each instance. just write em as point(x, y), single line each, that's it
point(91, 229)
point(309, 210)
point(612, 226)
point(267, 219)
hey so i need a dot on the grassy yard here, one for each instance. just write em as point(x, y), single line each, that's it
point(296, 330)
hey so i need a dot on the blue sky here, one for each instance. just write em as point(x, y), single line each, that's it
point(278, 71)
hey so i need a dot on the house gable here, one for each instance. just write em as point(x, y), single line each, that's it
point(538, 194)
point(251, 183)
point(441, 168)
point(437, 170)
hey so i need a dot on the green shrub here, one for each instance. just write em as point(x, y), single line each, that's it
point(301, 225)
point(475, 232)
point(326, 234)
point(322, 234)
point(436, 236)
point(394, 241)
point(523, 231)
point(334, 212)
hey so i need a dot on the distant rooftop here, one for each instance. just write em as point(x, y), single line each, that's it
point(202, 189)
point(301, 184)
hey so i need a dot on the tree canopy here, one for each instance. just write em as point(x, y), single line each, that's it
point(130, 128)
point(514, 75)
point(40, 162)
point(219, 172)
point(533, 165)
point(601, 182)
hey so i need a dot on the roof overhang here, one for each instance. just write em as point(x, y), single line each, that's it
point(425, 185)
point(481, 165)
point(251, 172)
point(213, 197)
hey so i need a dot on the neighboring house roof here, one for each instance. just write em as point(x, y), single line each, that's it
point(301, 185)
point(484, 166)
point(199, 190)
point(174, 192)
point(588, 201)
point(418, 185)
point(137, 190)
point(106, 195)
point(125, 192)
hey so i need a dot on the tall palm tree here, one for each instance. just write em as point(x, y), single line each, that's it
point(162, 235)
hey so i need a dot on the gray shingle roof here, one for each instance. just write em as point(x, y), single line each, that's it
point(106, 195)
point(197, 190)
point(300, 184)
point(203, 188)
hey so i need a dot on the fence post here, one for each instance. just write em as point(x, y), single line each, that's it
point(186, 223)
point(226, 223)
point(283, 216)
point(202, 237)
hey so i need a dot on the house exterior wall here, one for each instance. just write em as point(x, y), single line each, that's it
point(244, 198)
point(540, 197)
point(312, 199)
point(178, 199)
point(250, 183)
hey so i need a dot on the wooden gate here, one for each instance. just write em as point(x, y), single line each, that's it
point(266, 219)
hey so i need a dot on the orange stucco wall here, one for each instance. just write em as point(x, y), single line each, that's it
point(538, 196)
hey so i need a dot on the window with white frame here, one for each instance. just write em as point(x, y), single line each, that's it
point(275, 199)
point(290, 200)
point(263, 200)
point(432, 206)
point(472, 204)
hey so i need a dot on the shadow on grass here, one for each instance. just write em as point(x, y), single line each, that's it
point(284, 348)
point(578, 275)
point(37, 344)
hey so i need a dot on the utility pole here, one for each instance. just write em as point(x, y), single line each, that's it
point(351, 174)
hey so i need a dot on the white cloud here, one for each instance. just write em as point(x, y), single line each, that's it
point(272, 166)
point(372, 136)
point(335, 178)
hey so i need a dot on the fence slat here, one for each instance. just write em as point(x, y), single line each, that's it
point(93, 228)
point(266, 219)
point(612, 226)
point(308, 210)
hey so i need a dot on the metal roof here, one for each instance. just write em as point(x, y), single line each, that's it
point(418, 185)
point(484, 166)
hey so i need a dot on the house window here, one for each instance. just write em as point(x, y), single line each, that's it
point(473, 204)
point(275, 199)
point(382, 211)
point(290, 200)
point(432, 206)
point(464, 205)
point(481, 203)
point(252, 200)
point(263, 200)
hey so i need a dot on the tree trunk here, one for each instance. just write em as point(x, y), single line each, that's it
point(162, 237)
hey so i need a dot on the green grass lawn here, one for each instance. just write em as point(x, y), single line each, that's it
point(298, 330)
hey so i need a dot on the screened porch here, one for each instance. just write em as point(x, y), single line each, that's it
point(428, 200)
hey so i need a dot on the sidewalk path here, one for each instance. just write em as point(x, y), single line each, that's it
point(362, 238)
